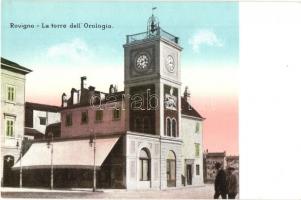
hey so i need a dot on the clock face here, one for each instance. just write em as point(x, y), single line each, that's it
point(170, 63)
point(142, 62)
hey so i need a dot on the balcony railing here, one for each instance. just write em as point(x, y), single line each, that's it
point(146, 35)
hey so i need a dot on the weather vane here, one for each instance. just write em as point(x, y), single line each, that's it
point(153, 8)
point(153, 23)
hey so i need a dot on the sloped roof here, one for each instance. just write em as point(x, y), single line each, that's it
point(33, 132)
point(12, 66)
point(42, 107)
point(188, 110)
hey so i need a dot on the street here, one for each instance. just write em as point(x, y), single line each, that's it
point(205, 192)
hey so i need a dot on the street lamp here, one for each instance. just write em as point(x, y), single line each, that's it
point(20, 145)
point(50, 145)
point(92, 142)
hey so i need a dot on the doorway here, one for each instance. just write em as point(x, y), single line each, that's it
point(189, 174)
point(8, 178)
point(171, 170)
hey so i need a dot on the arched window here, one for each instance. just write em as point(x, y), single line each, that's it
point(144, 159)
point(168, 126)
point(174, 128)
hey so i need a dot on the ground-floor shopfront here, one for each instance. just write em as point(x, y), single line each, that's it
point(72, 162)
point(131, 161)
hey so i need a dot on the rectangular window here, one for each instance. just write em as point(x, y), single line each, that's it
point(42, 120)
point(197, 169)
point(69, 119)
point(11, 93)
point(116, 114)
point(197, 150)
point(9, 127)
point(98, 115)
point(84, 117)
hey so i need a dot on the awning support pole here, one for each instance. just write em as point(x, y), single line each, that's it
point(50, 145)
point(21, 169)
point(94, 170)
point(93, 142)
point(51, 179)
point(20, 173)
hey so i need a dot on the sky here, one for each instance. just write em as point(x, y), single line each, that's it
point(208, 33)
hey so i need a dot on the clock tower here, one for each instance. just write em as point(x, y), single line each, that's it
point(152, 81)
point(153, 106)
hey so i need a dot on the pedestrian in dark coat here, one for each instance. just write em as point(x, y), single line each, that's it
point(232, 183)
point(220, 185)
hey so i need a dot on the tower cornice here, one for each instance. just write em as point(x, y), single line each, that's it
point(141, 38)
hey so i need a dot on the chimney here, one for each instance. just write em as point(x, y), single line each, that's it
point(82, 82)
point(75, 97)
point(187, 94)
point(72, 95)
point(91, 91)
point(91, 88)
point(64, 99)
point(78, 95)
point(111, 89)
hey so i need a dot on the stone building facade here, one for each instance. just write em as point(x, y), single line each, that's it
point(12, 116)
point(153, 71)
point(191, 150)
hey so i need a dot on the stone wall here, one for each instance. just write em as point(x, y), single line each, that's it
point(134, 143)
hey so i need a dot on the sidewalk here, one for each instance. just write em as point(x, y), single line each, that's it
point(27, 189)
point(204, 192)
